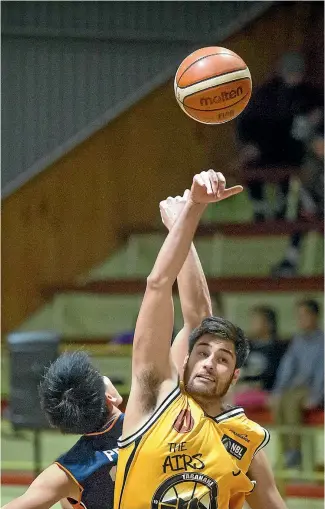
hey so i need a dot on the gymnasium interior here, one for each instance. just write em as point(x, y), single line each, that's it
point(92, 140)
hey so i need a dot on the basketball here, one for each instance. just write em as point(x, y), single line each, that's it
point(213, 85)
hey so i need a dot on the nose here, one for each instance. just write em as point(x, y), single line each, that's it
point(208, 364)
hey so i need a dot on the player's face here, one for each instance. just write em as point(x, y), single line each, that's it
point(210, 368)
point(111, 392)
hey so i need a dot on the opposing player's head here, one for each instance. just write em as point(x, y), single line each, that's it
point(217, 349)
point(74, 395)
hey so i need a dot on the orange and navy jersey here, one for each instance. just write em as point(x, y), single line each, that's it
point(182, 457)
point(91, 464)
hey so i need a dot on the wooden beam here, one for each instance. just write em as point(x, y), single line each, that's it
point(223, 284)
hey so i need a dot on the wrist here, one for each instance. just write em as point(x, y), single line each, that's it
point(200, 207)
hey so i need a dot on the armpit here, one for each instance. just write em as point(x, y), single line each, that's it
point(149, 382)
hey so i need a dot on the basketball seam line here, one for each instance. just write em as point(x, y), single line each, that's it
point(213, 83)
point(202, 58)
point(215, 76)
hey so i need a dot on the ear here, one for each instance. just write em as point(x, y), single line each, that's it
point(111, 401)
point(235, 377)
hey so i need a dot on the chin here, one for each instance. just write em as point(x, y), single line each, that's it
point(198, 390)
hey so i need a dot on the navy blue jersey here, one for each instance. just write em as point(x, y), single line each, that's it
point(91, 463)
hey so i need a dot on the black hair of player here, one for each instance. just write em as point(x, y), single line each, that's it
point(72, 395)
point(311, 305)
point(270, 316)
point(223, 329)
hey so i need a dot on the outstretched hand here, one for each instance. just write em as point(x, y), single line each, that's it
point(210, 187)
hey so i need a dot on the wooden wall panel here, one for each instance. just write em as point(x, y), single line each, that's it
point(70, 217)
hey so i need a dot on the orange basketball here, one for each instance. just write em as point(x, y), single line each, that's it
point(213, 85)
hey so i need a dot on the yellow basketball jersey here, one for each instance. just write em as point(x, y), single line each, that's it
point(182, 458)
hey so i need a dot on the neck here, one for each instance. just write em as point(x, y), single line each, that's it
point(210, 407)
point(115, 412)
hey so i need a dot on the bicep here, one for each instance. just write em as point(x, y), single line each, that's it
point(266, 494)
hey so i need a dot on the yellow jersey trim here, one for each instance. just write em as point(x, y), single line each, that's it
point(229, 414)
point(264, 442)
point(124, 442)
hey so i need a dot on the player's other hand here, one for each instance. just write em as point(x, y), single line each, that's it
point(210, 187)
point(171, 208)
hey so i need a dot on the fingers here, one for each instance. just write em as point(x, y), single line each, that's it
point(206, 179)
point(232, 191)
point(186, 194)
point(221, 184)
point(198, 179)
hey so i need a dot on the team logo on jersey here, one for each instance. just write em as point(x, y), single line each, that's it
point(233, 447)
point(186, 490)
point(184, 422)
point(242, 436)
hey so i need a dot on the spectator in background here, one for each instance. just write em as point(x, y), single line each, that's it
point(258, 374)
point(311, 199)
point(267, 127)
point(299, 382)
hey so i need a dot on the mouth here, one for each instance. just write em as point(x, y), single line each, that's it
point(205, 378)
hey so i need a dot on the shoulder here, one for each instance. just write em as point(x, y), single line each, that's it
point(258, 435)
point(241, 427)
point(87, 455)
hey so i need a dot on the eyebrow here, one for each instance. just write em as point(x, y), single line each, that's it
point(220, 349)
point(227, 351)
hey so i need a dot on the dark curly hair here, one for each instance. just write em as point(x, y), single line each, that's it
point(72, 395)
point(223, 329)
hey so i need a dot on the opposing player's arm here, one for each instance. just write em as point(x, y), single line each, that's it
point(151, 346)
point(192, 285)
point(266, 494)
point(195, 303)
point(49, 487)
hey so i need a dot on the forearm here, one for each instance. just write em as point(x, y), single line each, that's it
point(193, 290)
point(177, 245)
point(24, 503)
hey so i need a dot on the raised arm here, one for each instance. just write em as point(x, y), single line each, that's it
point(192, 285)
point(153, 372)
